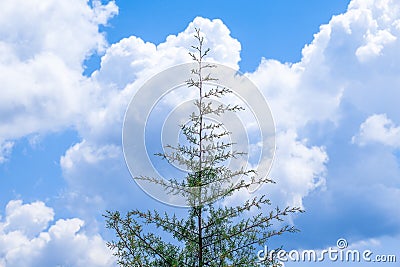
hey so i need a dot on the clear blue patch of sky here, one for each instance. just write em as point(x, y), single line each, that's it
point(33, 171)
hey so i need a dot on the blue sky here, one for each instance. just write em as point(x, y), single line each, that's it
point(270, 29)
point(328, 69)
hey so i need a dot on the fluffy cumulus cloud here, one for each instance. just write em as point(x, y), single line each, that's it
point(36, 213)
point(30, 237)
point(41, 56)
point(379, 129)
point(299, 168)
point(346, 72)
point(132, 58)
point(331, 71)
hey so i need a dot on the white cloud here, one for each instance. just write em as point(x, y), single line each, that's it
point(39, 95)
point(298, 168)
point(88, 154)
point(90, 169)
point(18, 214)
point(42, 49)
point(68, 29)
point(5, 150)
point(26, 240)
point(378, 129)
point(374, 45)
point(132, 58)
point(350, 66)
point(224, 48)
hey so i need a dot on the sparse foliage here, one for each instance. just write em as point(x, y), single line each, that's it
point(211, 234)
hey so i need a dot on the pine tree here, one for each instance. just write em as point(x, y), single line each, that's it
point(211, 234)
